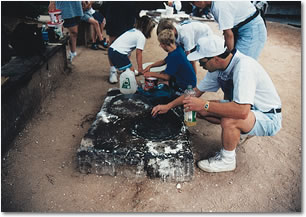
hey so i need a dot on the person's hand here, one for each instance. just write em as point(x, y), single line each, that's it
point(193, 104)
point(140, 71)
point(52, 6)
point(170, 3)
point(147, 69)
point(160, 109)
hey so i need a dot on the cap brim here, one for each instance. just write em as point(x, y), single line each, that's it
point(197, 55)
point(194, 56)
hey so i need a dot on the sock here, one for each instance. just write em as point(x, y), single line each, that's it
point(73, 53)
point(112, 68)
point(229, 155)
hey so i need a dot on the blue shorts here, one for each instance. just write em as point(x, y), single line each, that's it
point(266, 124)
point(98, 17)
point(86, 16)
point(252, 37)
point(74, 21)
point(120, 61)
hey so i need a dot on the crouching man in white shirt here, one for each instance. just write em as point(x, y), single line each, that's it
point(253, 108)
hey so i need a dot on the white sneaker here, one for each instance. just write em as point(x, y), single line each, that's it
point(72, 55)
point(113, 77)
point(217, 164)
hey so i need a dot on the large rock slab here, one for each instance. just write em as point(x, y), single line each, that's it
point(126, 140)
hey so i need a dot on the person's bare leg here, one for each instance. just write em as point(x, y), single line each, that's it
point(225, 160)
point(101, 25)
point(231, 129)
point(96, 26)
point(93, 33)
point(113, 72)
point(73, 31)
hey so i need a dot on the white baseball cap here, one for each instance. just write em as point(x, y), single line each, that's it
point(209, 46)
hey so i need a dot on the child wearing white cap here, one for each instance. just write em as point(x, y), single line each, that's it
point(253, 108)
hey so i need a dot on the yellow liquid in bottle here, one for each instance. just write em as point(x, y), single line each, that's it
point(190, 123)
point(190, 118)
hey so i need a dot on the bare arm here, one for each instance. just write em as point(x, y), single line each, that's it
point(156, 64)
point(229, 39)
point(158, 75)
point(193, 63)
point(161, 109)
point(228, 110)
point(139, 60)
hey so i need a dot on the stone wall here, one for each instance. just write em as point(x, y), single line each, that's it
point(28, 81)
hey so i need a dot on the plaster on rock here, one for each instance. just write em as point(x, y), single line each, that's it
point(115, 144)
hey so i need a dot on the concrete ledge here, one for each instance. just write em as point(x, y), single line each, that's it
point(28, 81)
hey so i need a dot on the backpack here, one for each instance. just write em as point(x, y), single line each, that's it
point(27, 40)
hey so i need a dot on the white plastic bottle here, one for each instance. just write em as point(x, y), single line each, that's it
point(128, 84)
point(190, 117)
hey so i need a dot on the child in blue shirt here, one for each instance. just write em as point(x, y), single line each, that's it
point(179, 71)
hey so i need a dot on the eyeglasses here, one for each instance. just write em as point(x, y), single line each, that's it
point(207, 60)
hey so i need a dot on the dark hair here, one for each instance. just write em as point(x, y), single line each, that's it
point(165, 23)
point(224, 55)
point(145, 24)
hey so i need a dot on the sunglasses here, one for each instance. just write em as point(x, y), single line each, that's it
point(207, 60)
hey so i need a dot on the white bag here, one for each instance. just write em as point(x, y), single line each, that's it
point(128, 84)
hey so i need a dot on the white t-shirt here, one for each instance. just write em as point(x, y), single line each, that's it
point(189, 32)
point(230, 13)
point(128, 41)
point(91, 11)
point(252, 84)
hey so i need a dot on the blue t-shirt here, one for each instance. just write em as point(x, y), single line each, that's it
point(180, 68)
point(70, 9)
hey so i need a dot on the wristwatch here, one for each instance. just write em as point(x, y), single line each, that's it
point(206, 106)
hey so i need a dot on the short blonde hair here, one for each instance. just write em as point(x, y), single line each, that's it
point(166, 37)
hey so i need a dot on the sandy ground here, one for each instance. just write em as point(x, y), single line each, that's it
point(40, 174)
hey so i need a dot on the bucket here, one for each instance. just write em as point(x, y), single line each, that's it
point(55, 16)
point(58, 28)
point(150, 83)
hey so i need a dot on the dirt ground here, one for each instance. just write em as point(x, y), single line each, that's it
point(40, 173)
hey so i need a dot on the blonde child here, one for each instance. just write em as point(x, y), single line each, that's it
point(179, 71)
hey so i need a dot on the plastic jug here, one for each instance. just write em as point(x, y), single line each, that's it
point(190, 117)
point(169, 10)
point(128, 84)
